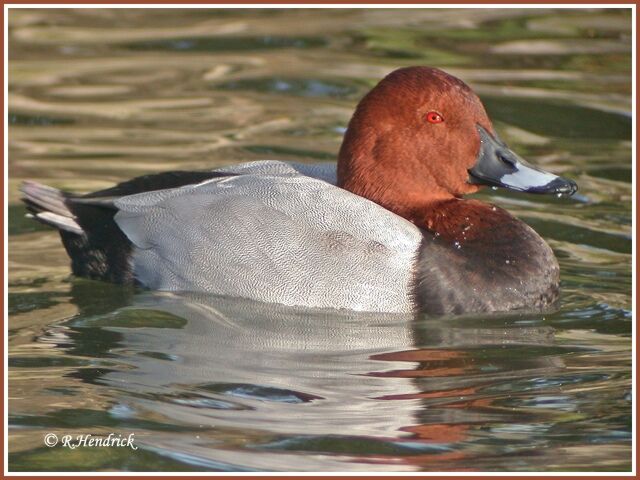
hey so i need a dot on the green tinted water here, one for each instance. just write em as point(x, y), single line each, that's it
point(98, 96)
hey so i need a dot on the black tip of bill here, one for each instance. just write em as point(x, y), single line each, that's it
point(498, 166)
point(560, 186)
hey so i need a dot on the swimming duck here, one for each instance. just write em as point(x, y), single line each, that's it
point(387, 230)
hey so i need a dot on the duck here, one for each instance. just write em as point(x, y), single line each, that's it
point(386, 229)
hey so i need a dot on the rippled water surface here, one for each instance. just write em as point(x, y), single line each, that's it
point(205, 383)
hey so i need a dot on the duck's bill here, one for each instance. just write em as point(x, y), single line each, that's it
point(498, 166)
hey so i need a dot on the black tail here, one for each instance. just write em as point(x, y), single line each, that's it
point(97, 247)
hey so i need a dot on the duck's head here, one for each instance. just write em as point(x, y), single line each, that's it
point(422, 136)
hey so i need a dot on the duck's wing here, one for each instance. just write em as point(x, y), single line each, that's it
point(97, 247)
point(321, 171)
point(272, 234)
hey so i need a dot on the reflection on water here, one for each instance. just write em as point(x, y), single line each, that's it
point(222, 383)
point(209, 383)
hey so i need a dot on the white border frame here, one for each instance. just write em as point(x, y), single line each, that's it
point(7, 7)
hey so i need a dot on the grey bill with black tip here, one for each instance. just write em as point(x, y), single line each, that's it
point(498, 166)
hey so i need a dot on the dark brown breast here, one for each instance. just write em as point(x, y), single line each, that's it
point(478, 258)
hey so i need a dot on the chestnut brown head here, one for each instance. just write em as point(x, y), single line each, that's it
point(422, 135)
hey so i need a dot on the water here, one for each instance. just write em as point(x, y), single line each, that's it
point(205, 383)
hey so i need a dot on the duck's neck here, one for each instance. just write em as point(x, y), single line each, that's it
point(385, 172)
point(401, 188)
point(463, 221)
point(424, 204)
point(442, 214)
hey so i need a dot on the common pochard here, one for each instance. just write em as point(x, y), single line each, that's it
point(388, 230)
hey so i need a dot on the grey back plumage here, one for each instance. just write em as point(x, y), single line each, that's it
point(275, 232)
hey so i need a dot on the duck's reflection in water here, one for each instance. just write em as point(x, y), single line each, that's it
point(277, 382)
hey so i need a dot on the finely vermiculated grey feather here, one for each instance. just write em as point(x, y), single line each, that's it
point(272, 234)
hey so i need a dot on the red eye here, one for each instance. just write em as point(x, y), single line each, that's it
point(434, 117)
